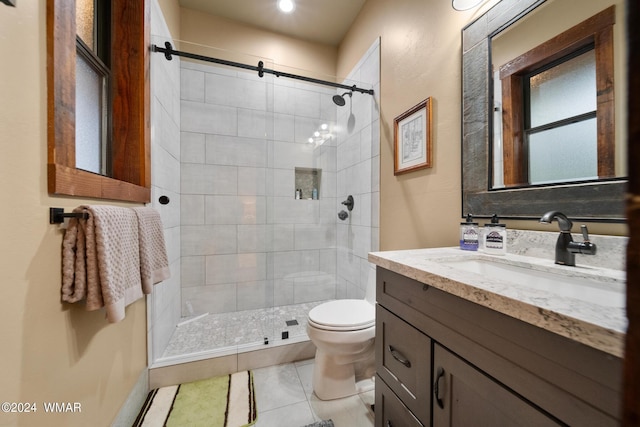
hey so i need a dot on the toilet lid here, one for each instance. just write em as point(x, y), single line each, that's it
point(344, 314)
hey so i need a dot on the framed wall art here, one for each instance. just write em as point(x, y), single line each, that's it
point(412, 139)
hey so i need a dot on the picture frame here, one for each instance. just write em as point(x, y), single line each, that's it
point(412, 143)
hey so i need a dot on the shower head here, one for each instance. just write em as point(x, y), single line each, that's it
point(339, 99)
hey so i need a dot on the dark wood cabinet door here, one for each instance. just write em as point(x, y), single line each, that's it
point(464, 396)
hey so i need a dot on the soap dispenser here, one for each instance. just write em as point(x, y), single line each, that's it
point(495, 237)
point(469, 234)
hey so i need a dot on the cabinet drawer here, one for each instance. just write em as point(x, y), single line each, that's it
point(403, 361)
point(389, 410)
point(398, 292)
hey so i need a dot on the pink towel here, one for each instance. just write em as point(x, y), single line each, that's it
point(101, 260)
point(154, 266)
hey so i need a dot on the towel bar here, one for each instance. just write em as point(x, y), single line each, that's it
point(57, 215)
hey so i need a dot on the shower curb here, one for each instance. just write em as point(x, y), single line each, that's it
point(222, 365)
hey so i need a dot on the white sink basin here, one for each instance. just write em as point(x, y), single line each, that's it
point(609, 293)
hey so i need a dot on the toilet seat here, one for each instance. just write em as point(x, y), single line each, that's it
point(343, 315)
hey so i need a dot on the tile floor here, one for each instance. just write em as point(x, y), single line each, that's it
point(284, 398)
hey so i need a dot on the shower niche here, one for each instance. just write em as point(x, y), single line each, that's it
point(307, 182)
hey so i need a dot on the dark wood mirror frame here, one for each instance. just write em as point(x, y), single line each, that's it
point(599, 201)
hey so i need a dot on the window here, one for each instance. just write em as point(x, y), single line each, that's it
point(98, 99)
point(558, 111)
point(93, 81)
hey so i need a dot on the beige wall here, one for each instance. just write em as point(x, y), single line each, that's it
point(213, 31)
point(420, 58)
point(171, 12)
point(50, 351)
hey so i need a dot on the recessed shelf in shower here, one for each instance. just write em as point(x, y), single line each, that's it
point(308, 180)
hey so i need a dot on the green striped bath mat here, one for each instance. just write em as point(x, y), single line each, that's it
point(226, 401)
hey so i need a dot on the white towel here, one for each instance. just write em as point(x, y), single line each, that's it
point(101, 260)
point(154, 266)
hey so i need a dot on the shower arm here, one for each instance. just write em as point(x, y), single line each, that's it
point(169, 52)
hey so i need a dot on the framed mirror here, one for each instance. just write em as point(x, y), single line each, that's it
point(489, 183)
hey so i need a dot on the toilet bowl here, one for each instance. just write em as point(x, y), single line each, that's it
point(343, 332)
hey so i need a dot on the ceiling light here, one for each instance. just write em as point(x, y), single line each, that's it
point(286, 6)
point(465, 4)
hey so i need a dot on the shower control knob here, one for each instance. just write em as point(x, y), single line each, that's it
point(349, 203)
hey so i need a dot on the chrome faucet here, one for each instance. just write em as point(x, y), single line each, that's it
point(566, 248)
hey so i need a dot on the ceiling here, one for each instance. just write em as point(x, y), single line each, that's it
point(320, 21)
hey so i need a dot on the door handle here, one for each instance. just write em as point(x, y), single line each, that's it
point(437, 389)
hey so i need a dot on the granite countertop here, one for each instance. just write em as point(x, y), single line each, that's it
point(598, 324)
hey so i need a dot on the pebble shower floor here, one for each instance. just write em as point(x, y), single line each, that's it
point(225, 331)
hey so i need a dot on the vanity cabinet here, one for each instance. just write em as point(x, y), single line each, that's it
point(444, 361)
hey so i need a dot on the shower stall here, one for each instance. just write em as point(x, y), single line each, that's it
point(256, 180)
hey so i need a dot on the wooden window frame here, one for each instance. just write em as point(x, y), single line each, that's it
point(597, 30)
point(130, 112)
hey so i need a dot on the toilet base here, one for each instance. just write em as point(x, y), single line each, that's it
point(335, 380)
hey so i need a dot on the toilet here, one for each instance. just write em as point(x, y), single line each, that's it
point(343, 332)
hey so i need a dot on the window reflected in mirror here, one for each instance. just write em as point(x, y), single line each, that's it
point(553, 107)
point(560, 132)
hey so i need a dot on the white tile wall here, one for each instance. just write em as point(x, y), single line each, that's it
point(236, 151)
point(234, 268)
point(287, 264)
point(208, 239)
point(192, 209)
point(284, 127)
point(313, 288)
point(314, 236)
point(191, 85)
point(162, 160)
point(252, 295)
point(254, 124)
point(254, 238)
point(208, 118)
point(192, 147)
point(253, 181)
point(208, 299)
point(283, 237)
point(287, 210)
point(193, 270)
point(235, 91)
point(208, 179)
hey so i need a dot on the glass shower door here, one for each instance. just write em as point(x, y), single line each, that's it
point(226, 138)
